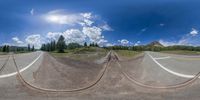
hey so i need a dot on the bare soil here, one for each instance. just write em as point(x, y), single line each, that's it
point(65, 73)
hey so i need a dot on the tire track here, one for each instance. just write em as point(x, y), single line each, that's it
point(40, 89)
point(4, 65)
point(135, 81)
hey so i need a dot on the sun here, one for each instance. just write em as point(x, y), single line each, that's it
point(53, 18)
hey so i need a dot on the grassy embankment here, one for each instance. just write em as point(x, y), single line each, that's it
point(182, 52)
point(127, 53)
point(85, 53)
point(3, 53)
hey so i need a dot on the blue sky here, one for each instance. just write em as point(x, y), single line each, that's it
point(113, 22)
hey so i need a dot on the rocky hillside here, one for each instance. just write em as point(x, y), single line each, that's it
point(155, 43)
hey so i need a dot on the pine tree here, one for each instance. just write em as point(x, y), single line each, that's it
point(4, 48)
point(61, 44)
point(29, 48)
point(7, 48)
point(96, 45)
point(54, 45)
point(33, 48)
point(85, 44)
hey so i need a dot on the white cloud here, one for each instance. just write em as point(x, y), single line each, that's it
point(87, 15)
point(6, 44)
point(87, 22)
point(61, 17)
point(86, 19)
point(192, 38)
point(106, 27)
point(187, 39)
point(109, 44)
point(168, 43)
point(94, 33)
point(74, 35)
point(32, 11)
point(137, 43)
point(70, 19)
point(17, 41)
point(34, 39)
point(53, 35)
point(82, 28)
point(194, 32)
point(71, 35)
point(124, 42)
point(103, 42)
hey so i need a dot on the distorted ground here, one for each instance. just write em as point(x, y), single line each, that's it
point(67, 72)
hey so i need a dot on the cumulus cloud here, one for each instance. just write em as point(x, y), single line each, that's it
point(6, 44)
point(53, 35)
point(94, 33)
point(124, 42)
point(74, 35)
point(137, 43)
point(70, 35)
point(34, 39)
point(17, 41)
point(84, 27)
point(194, 32)
point(88, 22)
point(109, 44)
point(87, 15)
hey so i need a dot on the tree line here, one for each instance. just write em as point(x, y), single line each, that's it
point(8, 48)
point(154, 48)
point(61, 45)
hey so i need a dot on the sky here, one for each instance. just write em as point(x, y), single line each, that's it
point(111, 22)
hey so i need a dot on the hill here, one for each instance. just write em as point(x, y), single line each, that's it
point(156, 44)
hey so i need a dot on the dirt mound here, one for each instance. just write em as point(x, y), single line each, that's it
point(65, 73)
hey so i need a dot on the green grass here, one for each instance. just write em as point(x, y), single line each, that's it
point(19, 52)
point(127, 53)
point(182, 52)
point(85, 53)
point(55, 54)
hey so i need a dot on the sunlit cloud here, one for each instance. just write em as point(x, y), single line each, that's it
point(17, 41)
point(124, 41)
point(137, 43)
point(34, 39)
point(194, 32)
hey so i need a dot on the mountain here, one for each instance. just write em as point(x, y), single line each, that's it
point(156, 44)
